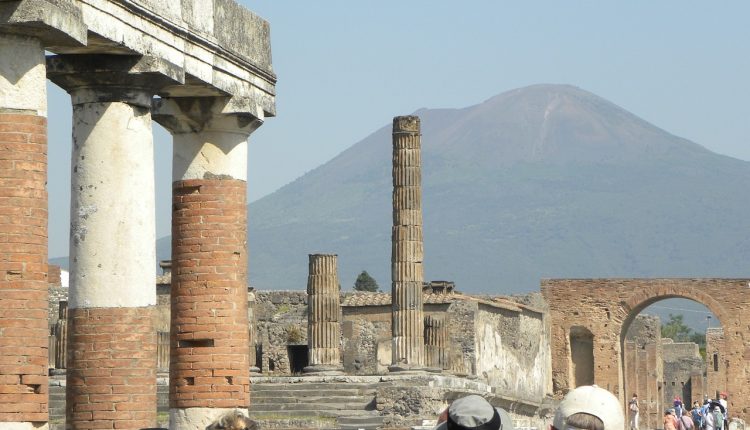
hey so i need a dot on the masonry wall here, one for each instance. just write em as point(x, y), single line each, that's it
point(281, 318)
point(716, 364)
point(604, 306)
point(643, 365)
point(512, 351)
point(366, 339)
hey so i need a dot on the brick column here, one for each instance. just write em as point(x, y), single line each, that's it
point(407, 254)
point(323, 331)
point(111, 377)
point(437, 343)
point(209, 359)
point(23, 233)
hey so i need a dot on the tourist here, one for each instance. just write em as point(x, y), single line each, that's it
point(677, 406)
point(705, 411)
point(723, 402)
point(589, 408)
point(696, 415)
point(686, 422)
point(472, 412)
point(718, 418)
point(634, 412)
point(669, 420)
point(234, 420)
point(708, 420)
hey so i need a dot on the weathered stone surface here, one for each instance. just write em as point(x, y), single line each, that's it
point(407, 273)
point(323, 322)
point(717, 363)
point(55, 22)
point(606, 307)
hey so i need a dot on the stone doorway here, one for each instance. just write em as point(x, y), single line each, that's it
point(607, 308)
point(298, 358)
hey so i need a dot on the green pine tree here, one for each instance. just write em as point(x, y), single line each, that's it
point(365, 282)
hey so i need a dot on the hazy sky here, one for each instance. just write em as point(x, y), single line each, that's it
point(346, 68)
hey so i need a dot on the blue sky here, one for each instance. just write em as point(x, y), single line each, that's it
point(346, 68)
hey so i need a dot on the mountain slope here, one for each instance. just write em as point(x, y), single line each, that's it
point(543, 181)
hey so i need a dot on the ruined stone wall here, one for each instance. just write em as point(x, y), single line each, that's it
point(512, 351)
point(281, 318)
point(462, 315)
point(645, 329)
point(366, 340)
point(643, 368)
point(676, 351)
point(716, 363)
point(678, 379)
point(606, 308)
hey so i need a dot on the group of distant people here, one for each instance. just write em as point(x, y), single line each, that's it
point(712, 415)
point(584, 408)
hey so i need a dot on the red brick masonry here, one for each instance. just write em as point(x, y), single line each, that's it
point(209, 341)
point(23, 268)
point(111, 368)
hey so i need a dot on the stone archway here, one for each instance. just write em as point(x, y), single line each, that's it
point(606, 307)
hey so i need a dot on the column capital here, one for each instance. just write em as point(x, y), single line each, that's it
point(183, 115)
point(112, 78)
point(56, 23)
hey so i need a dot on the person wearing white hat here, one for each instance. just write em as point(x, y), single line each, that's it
point(589, 408)
point(474, 413)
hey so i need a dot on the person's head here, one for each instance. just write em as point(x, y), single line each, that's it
point(696, 404)
point(589, 408)
point(723, 395)
point(234, 420)
point(667, 413)
point(635, 396)
point(474, 411)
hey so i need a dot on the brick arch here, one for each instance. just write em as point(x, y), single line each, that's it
point(607, 306)
point(643, 298)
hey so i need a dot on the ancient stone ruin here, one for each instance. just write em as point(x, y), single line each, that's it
point(203, 70)
point(118, 349)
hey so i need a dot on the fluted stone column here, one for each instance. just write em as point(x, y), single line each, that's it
point(111, 377)
point(209, 359)
point(437, 342)
point(323, 330)
point(407, 253)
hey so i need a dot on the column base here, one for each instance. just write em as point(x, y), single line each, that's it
point(254, 371)
point(407, 369)
point(320, 369)
point(197, 418)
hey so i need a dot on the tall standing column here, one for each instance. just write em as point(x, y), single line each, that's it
point(23, 233)
point(407, 273)
point(323, 331)
point(111, 377)
point(209, 365)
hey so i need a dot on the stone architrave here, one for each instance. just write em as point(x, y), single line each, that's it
point(209, 354)
point(407, 273)
point(323, 328)
point(111, 304)
point(437, 342)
